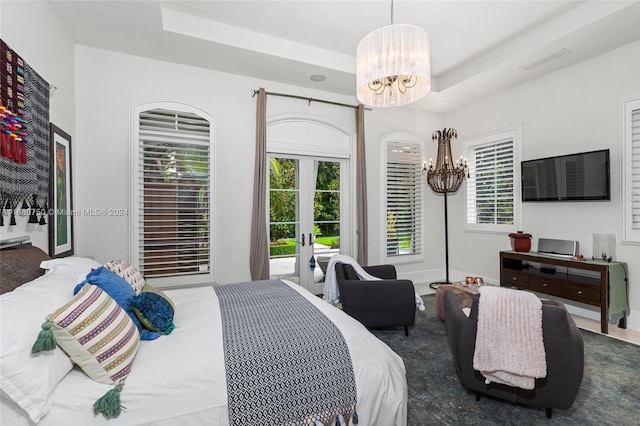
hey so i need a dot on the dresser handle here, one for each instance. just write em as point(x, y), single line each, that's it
point(544, 284)
point(515, 278)
point(579, 291)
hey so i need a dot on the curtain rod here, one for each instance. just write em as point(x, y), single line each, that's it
point(284, 95)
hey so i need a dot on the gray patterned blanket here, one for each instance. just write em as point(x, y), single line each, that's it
point(286, 363)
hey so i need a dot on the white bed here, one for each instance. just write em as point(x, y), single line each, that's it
point(180, 378)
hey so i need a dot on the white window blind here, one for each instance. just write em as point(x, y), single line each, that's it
point(404, 198)
point(173, 194)
point(631, 181)
point(490, 188)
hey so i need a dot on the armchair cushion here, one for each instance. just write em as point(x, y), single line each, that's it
point(384, 272)
point(350, 273)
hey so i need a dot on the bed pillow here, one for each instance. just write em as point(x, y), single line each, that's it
point(128, 272)
point(99, 337)
point(97, 334)
point(80, 266)
point(29, 380)
point(120, 290)
point(114, 285)
point(154, 309)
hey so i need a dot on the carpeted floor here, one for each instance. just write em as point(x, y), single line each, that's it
point(609, 394)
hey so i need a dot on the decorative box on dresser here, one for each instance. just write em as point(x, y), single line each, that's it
point(604, 286)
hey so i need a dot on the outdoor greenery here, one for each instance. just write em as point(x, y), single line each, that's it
point(283, 200)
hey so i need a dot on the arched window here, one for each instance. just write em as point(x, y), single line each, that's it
point(404, 195)
point(172, 196)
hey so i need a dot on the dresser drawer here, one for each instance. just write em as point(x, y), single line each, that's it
point(515, 279)
point(547, 286)
point(581, 293)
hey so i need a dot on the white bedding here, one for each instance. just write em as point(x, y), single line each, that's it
point(180, 378)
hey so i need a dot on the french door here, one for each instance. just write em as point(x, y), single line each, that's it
point(307, 216)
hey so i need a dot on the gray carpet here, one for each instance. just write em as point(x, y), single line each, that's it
point(609, 394)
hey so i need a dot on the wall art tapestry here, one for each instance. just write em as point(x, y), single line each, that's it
point(60, 195)
point(24, 139)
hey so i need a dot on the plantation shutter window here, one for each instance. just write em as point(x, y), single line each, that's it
point(404, 198)
point(631, 180)
point(173, 198)
point(635, 169)
point(492, 191)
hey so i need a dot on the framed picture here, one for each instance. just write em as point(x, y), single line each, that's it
point(60, 194)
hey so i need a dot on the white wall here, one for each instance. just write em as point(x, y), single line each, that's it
point(572, 110)
point(108, 84)
point(47, 48)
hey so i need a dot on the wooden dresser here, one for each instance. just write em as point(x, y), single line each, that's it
point(581, 281)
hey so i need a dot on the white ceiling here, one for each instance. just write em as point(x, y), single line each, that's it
point(476, 46)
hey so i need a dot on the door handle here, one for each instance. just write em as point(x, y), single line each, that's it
point(302, 240)
point(311, 239)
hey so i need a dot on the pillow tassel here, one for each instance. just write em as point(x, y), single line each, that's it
point(109, 403)
point(46, 341)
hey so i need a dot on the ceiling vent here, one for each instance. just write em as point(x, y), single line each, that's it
point(547, 59)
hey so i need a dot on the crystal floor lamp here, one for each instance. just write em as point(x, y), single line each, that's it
point(445, 178)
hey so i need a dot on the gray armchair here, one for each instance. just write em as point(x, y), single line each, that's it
point(563, 346)
point(389, 302)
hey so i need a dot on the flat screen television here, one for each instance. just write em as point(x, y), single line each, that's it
point(575, 177)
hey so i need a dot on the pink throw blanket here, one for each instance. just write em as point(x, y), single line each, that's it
point(509, 344)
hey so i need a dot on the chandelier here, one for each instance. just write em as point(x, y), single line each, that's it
point(445, 177)
point(393, 65)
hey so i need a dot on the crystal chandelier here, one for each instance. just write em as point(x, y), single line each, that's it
point(445, 177)
point(393, 65)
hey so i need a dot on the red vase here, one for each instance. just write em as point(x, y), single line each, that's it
point(520, 241)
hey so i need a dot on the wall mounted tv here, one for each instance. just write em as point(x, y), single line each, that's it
point(574, 177)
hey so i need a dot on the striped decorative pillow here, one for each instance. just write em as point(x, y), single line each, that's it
point(128, 272)
point(97, 334)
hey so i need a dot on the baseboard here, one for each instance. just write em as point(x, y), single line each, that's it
point(422, 277)
point(461, 276)
point(438, 275)
point(633, 320)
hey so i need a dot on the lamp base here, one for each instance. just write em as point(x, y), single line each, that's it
point(434, 285)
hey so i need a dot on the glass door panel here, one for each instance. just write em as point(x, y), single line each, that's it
point(326, 215)
point(305, 217)
point(284, 216)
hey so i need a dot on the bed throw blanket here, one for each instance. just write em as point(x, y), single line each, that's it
point(509, 343)
point(286, 363)
point(331, 293)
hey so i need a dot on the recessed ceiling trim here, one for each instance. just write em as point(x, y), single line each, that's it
point(546, 59)
point(576, 19)
point(217, 32)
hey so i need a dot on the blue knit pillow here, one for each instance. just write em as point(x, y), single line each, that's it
point(154, 310)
